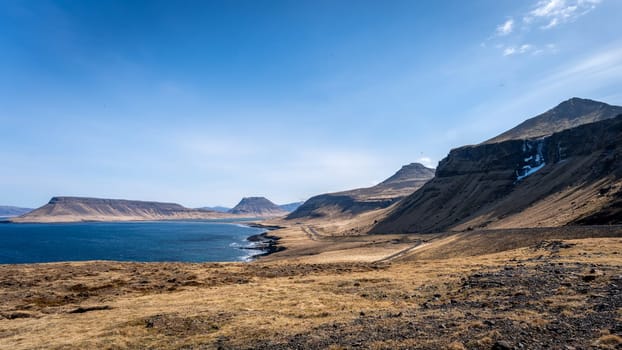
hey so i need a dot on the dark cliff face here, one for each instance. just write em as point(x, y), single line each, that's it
point(353, 202)
point(502, 179)
point(481, 159)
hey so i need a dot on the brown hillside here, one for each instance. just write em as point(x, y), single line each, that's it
point(572, 176)
point(350, 203)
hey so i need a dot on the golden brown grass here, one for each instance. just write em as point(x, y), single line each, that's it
point(459, 301)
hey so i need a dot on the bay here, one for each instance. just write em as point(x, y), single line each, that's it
point(182, 241)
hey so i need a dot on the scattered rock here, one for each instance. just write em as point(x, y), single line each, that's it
point(502, 345)
point(588, 278)
point(83, 309)
point(17, 314)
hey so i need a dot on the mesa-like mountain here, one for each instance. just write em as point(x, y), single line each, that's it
point(524, 179)
point(7, 211)
point(347, 204)
point(257, 207)
point(76, 209)
point(568, 114)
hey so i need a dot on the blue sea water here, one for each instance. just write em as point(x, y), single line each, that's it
point(187, 241)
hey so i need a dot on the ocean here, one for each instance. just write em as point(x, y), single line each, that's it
point(184, 241)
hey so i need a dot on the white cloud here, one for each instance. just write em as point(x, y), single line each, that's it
point(509, 51)
point(545, 14)
point(427, 161)
point(551, 13)
point(506, 28)
point(525, 48)
point(518, 50)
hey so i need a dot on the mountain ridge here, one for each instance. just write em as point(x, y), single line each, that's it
point(77, 209)
point(568, 114)
point(361, 200)
point(565, 178)
point(8, 210)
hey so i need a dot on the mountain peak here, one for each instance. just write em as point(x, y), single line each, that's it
point(577, 106)
point(257, 206)
point(410, 172)
point(566, 115)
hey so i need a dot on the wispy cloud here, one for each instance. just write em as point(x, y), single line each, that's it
point(427, 161)
point(518, 50)
point(551, 13)
point(602, 66)
point(544, 14)
point(506, 28)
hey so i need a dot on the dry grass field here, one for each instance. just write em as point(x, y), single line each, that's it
point(541, 289)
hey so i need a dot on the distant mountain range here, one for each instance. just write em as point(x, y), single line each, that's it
point(289, 207)
point(216, 208)
point(76, 209)
point(556, 169)
point(7, 211)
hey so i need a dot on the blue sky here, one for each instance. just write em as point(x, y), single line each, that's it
point(203, 102)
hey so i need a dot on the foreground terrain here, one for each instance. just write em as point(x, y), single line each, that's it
point(542, 288)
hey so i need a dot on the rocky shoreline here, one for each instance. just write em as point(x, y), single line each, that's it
point(264, 242)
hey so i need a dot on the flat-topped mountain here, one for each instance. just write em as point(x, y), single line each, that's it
point(570, 177)
point(76, 209)
point(353, 202)
point(568, 114)
point(257, 206)
point(6, 211)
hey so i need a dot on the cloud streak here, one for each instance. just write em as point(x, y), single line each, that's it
point(506, 28)
point(518, 50)
point(551, 13)
point(545, 15)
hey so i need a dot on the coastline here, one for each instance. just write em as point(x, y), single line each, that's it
point(265, 242)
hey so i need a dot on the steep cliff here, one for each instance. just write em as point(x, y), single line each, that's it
point(572, 176)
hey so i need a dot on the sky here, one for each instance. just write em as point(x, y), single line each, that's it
point(205, 102)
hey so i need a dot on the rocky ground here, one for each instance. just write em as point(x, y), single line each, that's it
point(551, 294)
